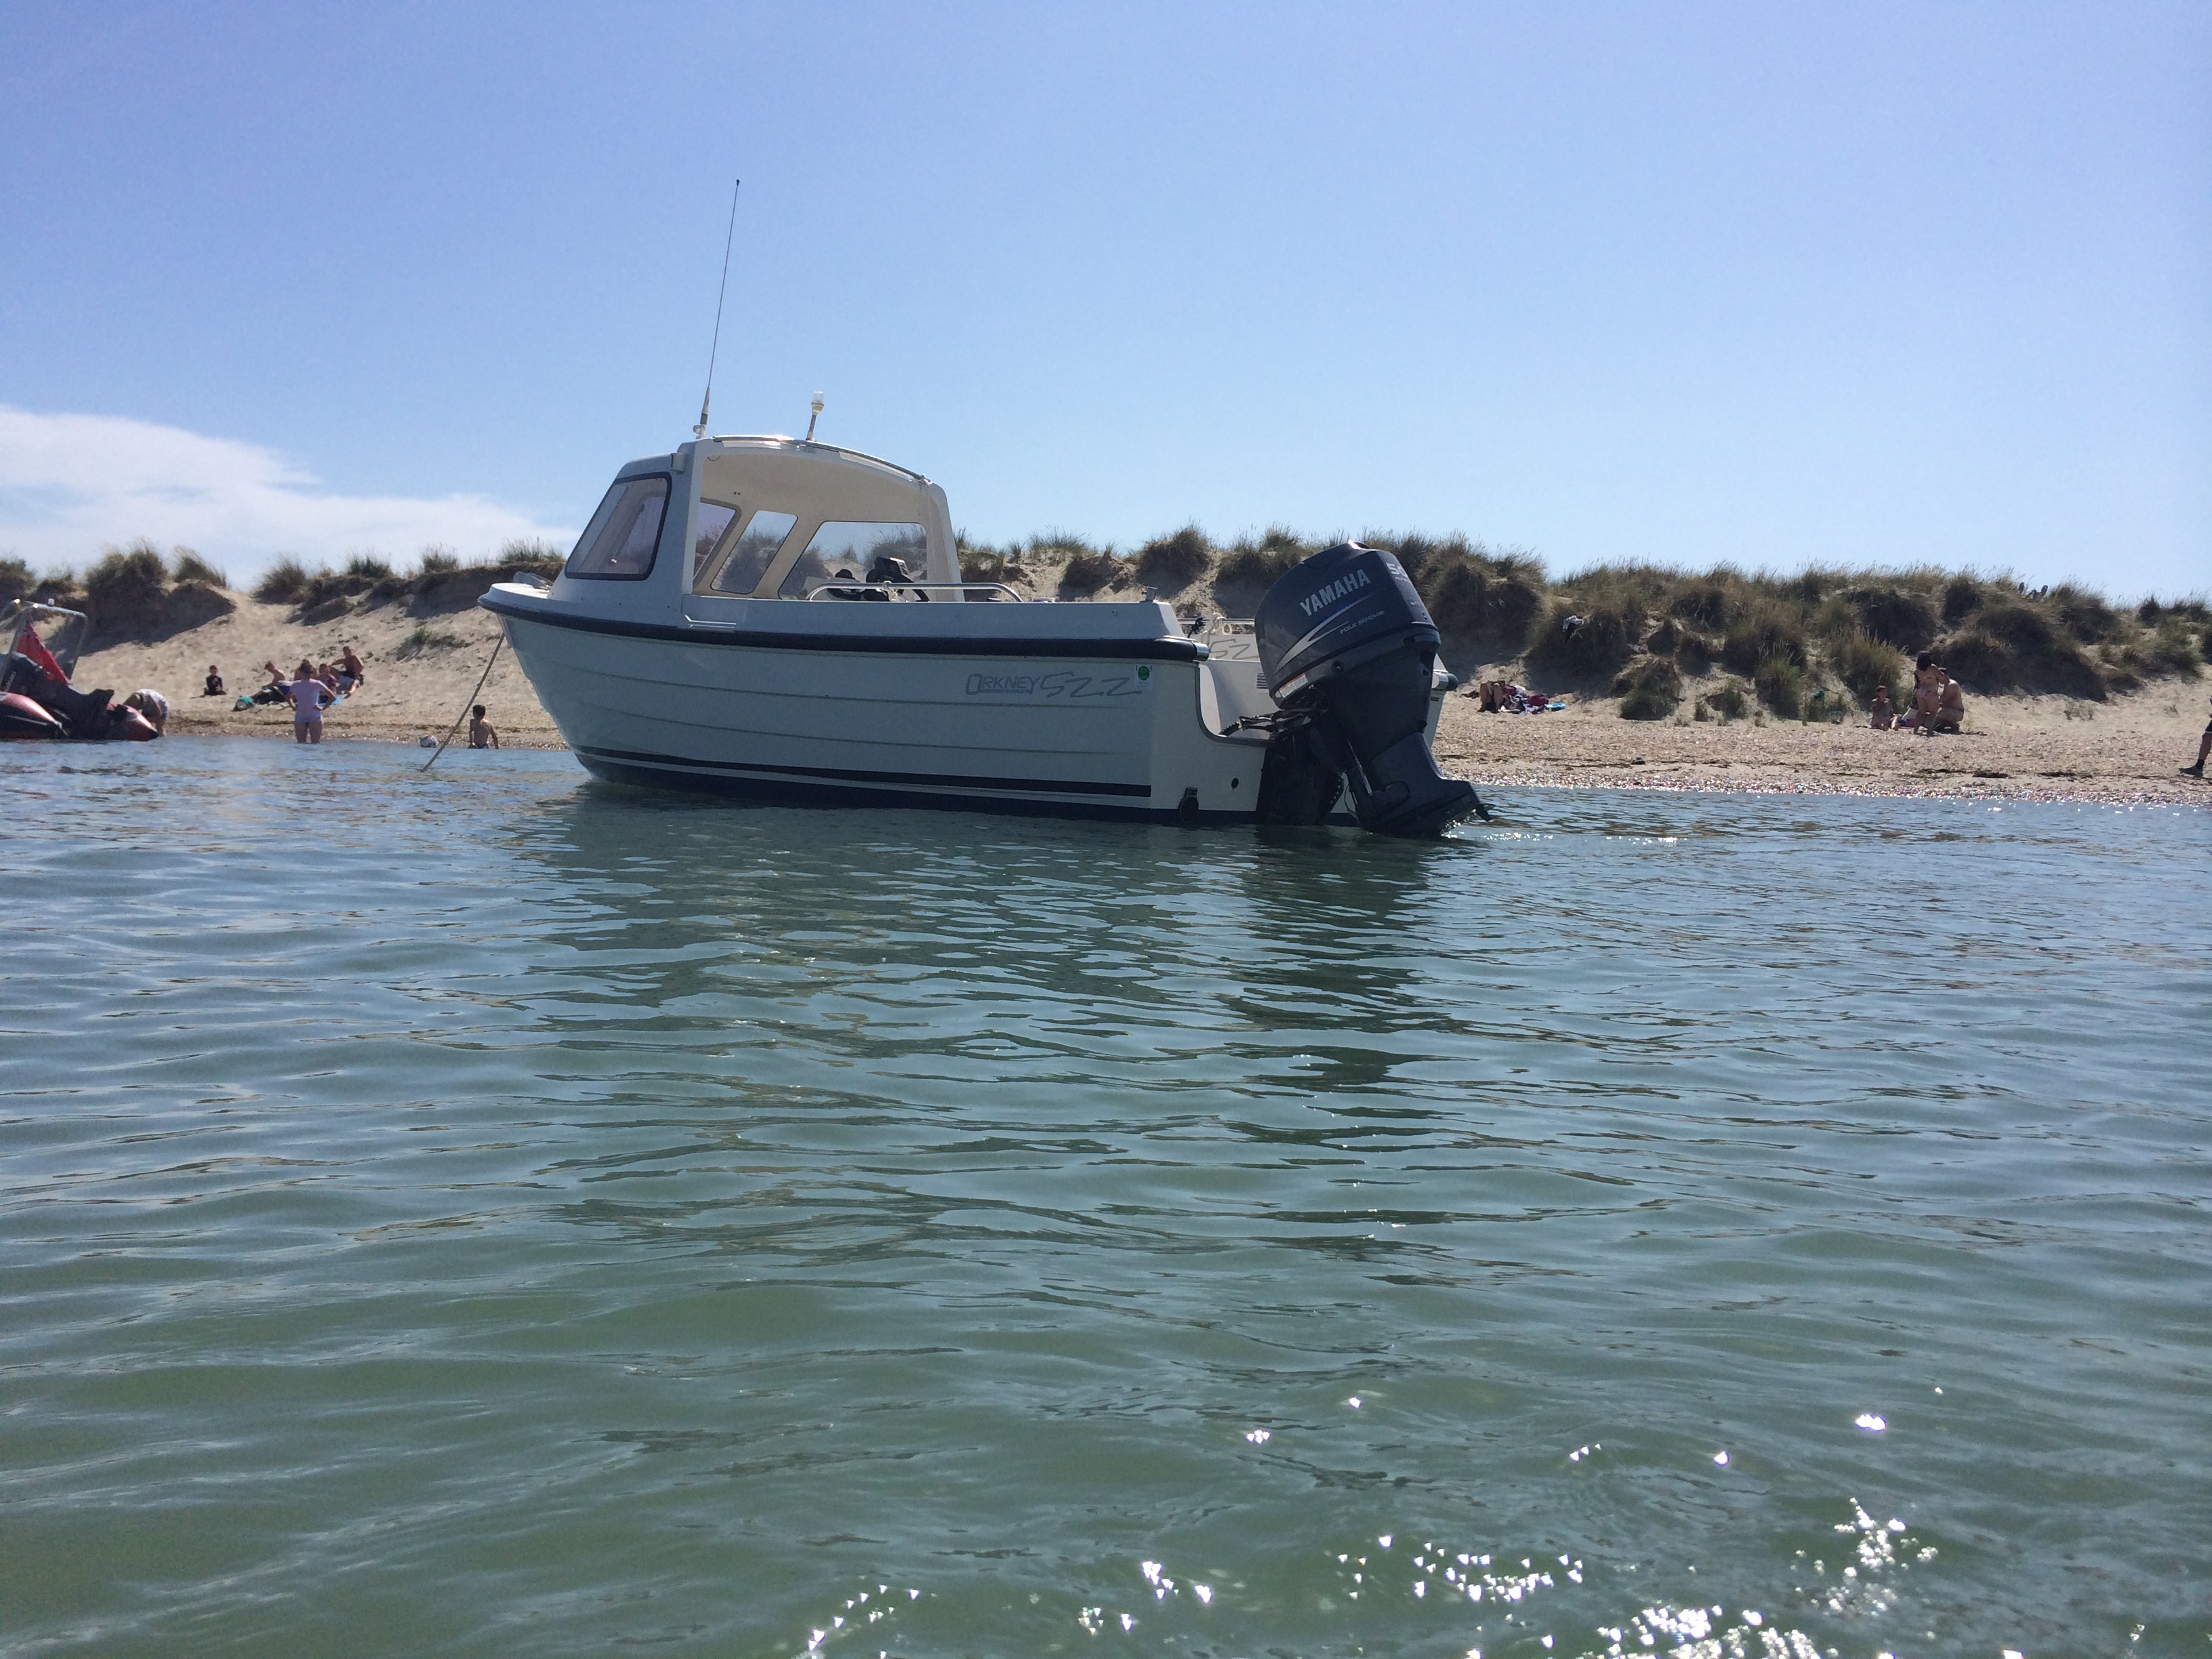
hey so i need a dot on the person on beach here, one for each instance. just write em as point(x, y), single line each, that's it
point(308, 698)
point(1885, 712)
point(305, 671)
point(2203, 748)
point(350, 664)
point(481, 735)
point(152, 705)
point(1950, 708)
point(214, 683)
point(1927, 689)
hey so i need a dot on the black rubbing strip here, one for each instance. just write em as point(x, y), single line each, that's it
point(907, 780)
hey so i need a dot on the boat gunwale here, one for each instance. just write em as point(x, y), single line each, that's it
point(1156, 649)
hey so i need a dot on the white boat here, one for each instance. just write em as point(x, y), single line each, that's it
point(713, 631)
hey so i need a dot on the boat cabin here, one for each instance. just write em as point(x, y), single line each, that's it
point(764, 518)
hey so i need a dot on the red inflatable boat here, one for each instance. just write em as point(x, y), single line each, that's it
point(37, 702)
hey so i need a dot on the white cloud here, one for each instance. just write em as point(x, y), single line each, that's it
point(71, 485)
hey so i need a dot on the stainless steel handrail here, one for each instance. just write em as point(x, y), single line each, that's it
point(905, 587)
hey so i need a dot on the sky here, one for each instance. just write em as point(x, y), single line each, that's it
point(1773, 285)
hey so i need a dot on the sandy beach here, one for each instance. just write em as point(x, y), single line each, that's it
point(2126, 751)
point(412, 688)
point(423, 661)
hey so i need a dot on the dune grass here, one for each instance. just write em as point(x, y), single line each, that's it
point(1173, 562)
point(1086, 567)
point(1651, 690)
point(1824, 638)
point(129, 592)
point(1257, 562)
point(189, 569)
point(368, 575)
point(1828, 638)
point(982, 563)
point(523, 555)
point(125, 588)
point(284, 582)
point(425, 639)
point(1088, 571)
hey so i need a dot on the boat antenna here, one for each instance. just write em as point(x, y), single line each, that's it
point(728, 241)
point(814, 414)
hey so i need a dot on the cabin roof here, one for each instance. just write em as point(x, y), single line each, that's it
point(764, 443)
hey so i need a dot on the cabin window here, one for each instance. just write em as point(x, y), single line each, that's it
point(844, 551)
point(714, 517)
point(618, 543)
point(756, 550)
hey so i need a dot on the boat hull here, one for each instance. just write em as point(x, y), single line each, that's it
point(1063, 727)
point(23, 720)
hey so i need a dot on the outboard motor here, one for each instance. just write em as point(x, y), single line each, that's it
point(1348, 651)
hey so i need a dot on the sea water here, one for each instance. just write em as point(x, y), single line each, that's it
point(488, 1211)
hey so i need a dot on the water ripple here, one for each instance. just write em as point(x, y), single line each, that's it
point(486, 1210)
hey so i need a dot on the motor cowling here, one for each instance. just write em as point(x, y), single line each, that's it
point(1348, 651)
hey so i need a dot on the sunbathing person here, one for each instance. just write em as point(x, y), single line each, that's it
point(1884, 715)
point(351, 664)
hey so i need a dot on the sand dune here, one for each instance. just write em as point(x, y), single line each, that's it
point(412, 688)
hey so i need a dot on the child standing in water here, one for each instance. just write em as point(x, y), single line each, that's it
point(481, 735)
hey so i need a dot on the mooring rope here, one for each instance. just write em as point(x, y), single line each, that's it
point(471, 700)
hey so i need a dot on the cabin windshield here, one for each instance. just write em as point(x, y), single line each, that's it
point(714, 517)
point(847, 551)
point(775, 520)
point(618, 543)
point(62, 632)
point(747, 555)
